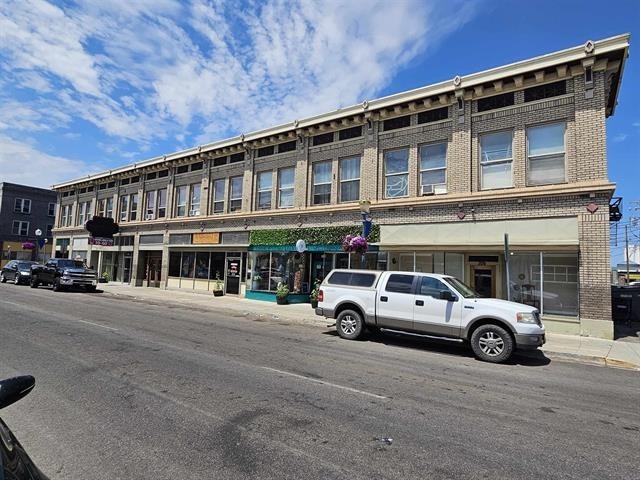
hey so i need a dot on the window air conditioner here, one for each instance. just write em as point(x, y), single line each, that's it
point(150, 216)
point(427, 190)
point(439, 189)
point(194, 213)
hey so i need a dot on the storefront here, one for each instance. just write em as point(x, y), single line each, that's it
point(199, 261)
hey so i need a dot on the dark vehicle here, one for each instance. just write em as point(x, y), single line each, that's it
point(14, 461)
point(63, 273)
point(17, 271)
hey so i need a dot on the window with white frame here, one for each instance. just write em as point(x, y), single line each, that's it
point(133, 207)
point(265, 187)
point(150, 205)
point(102, 204)
point(194, 199)
point(546, 154)
point(396, 173)
point(20, 228)
point(322, 182)
point(51, 211)
point(161, 200)
point(65, 217)
point(124, 207)
point(22, 205)
point(496, 158)
point(349, 172)
point(433, 166)
point(235, 195)
point(84, 212)
point(286, 181)
point(218, 195)
point(181, 200)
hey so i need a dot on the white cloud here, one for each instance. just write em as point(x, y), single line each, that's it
point(620, 137)
point(152, 70)
point(22, 163)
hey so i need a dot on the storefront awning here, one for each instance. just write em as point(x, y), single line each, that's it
point(530, 232)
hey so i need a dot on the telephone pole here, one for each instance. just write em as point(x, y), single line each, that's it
point(626, 249)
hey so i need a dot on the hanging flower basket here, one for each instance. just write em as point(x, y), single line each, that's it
point(355, 244)
point(28, 246)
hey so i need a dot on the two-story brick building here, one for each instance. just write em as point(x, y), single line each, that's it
point(446, 171)
point(24, 211)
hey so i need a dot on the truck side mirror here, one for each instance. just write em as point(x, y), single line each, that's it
point(13, 389)
point(448, 296)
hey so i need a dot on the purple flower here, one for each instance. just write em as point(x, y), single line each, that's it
point(355, 243)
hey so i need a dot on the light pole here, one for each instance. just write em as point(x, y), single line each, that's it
point(38, 233)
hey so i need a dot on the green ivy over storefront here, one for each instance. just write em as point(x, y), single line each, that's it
point(311, 236)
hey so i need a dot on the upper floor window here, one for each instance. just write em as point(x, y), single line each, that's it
point(433, 115)
point(235, 194)
point(350, 179)
point(347, 133)
point(22, 205)
point(51, 211)
point(188, 200)
point(265, 187)
point(398, 122)
point(433, 166)
point(396, 173)
point(84, 212)
point(322, 139)
point(218, 195)
point(287, 146)
point(133, 207)
point(286, 179)
point(20, 228)
point(496, 157)
point(496, 101)
point(545, 91)
point(105, 207)
point(322, 182)
point(546, 154)
point(155, 204)
point(65, 218)
point(266, 151)
point(129, 207)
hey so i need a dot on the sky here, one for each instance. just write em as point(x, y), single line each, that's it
point(90, 85)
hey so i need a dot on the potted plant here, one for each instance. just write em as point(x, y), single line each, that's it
point(104, 278)
point(255, 281)
point(282, 292)
point(313, 296)
point(218, 286)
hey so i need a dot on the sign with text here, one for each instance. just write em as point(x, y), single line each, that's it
point(104, 242)
point(206, 238)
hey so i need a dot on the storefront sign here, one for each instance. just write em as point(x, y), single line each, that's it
point(104, 242)
point(206, 238)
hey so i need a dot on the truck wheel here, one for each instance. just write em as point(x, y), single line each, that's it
point(34, 282)
point(3, 279)
point(56, 285)
point(16, 280)
point(491, 343)
point(349, 324)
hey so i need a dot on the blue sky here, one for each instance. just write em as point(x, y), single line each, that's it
point(90, 85)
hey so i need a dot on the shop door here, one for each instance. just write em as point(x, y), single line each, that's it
point(484, 280)
point(126, 268)
point(232, 277)
point(153, 269)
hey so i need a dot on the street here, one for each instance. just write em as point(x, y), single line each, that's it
point(133, 390)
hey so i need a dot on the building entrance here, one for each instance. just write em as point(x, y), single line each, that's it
point(233, 275)
point(484, 280)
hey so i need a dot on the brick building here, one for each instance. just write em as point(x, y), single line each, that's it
point(23, 211)
point(446, 171)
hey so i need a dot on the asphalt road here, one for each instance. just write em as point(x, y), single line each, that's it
point(132, 390)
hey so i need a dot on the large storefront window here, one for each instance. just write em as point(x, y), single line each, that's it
point(268, 269)
point(547, 281)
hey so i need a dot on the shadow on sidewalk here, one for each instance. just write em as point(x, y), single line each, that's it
point(534, 358)
point(626, 331)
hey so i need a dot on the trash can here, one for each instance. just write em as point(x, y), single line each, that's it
point(625, 304)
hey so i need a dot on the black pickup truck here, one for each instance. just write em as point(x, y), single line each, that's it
point(63, 273)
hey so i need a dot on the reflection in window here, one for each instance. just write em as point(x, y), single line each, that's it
point(396, 171)
point(433, 164)
point(496, 156)
point(350, 179)
point(235, 199)
point(322, 183)
point(265, 185)
point(286, 178)
point(202, 265)
point(546, 154)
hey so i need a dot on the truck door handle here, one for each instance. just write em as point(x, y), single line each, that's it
point(420, 303)
point(384, 299)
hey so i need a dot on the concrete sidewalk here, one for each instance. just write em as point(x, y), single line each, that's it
point(597, 351)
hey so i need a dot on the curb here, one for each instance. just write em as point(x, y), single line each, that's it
point(585, 359)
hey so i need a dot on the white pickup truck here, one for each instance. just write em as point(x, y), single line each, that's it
point(431, 305)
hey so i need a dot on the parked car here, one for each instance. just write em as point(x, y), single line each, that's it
point(63, 273)
point(15, 463)
point(428, 304)
point(634, 284)
point(17, 271)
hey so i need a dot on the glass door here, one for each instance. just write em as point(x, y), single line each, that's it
point(232, 278)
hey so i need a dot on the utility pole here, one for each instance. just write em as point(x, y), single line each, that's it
point(626, 249)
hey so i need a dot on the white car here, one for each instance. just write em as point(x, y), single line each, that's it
point(428, 304)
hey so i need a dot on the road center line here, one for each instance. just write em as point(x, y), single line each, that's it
point(329, 384)
point(98, 325)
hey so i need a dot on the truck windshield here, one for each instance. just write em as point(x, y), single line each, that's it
point(70, 264)
point(461, 288)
